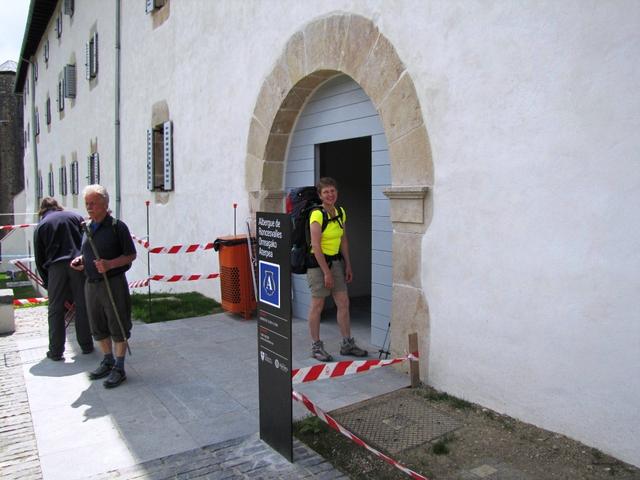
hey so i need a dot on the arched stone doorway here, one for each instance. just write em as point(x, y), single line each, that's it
point(351, 44)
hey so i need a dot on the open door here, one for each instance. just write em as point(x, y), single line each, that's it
point(349, 163)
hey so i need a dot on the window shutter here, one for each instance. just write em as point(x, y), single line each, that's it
point(75, 188)
point(67, 7)
point(94, 56)
point(70, 81)
point(87, 60)
point(40, 186)
point(37, 123)
point(61, 181)
point(50, 182)
point(48, 111)
point(168, 155)
point(149, 159)
point(60, 96)
point(96, 168)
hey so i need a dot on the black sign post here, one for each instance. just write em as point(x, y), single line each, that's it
point(274, 330)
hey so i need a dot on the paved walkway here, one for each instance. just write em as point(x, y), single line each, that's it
point(189, 408)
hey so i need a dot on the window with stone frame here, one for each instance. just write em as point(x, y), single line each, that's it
point(69, 81)
point(75, 182)
point(51, 185)
point(93, 168)
point(40, 190)
point(62, 180)
point(59, 25)
point(160, 158)
point(91, 57)
point(48, 110)
point(60, 95)
point(68, 7)
point(153, 5)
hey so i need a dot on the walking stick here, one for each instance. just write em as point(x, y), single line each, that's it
point(106, 283)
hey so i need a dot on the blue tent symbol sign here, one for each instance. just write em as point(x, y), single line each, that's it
point(269, 283)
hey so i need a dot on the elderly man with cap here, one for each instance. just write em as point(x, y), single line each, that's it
point(108, 305)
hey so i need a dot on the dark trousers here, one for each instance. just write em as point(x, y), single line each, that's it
point(103, 319)
point(65, 283)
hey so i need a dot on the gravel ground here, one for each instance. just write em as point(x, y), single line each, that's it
point(486, 446)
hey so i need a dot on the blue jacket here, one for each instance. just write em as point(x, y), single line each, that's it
point(57, 238)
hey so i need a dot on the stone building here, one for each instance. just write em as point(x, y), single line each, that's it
point(11, 146)
point(486, 154)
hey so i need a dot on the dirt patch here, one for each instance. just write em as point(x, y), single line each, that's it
point(485, 445)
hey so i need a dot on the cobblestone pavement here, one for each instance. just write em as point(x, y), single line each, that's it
point(18, 450)
point(241, 458)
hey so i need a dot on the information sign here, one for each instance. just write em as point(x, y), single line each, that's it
point(274, 330)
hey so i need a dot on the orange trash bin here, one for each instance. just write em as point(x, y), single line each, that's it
point(236, 283)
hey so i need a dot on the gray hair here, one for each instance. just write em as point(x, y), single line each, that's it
point(95, 188)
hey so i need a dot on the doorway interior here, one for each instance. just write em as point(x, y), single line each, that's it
point(349, 163)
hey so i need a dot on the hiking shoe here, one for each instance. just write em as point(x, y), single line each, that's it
point(55, 357)
point(349, 347)
point(319, 353)
point(102, 371)
point(116, 377)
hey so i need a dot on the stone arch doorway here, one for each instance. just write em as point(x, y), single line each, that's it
point(343, 43)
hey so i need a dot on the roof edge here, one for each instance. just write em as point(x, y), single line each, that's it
point(40, 12)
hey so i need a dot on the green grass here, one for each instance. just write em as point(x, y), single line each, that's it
point(436, 396)
point(20, 292)
point(441, 447)
point(172, 306)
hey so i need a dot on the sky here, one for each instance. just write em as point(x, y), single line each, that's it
point(13, 18)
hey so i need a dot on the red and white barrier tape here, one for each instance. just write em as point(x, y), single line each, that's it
point(172, 278)
point(30, 301)
point(174, 248)
point(340, 369)
point(139, 283)
point(14, 227)
point(329, 420)
point(181, 278)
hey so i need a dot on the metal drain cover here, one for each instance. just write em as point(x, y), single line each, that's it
point(396, 421)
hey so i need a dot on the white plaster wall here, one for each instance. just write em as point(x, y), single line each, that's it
point(208, 62)
point(89, 117)
point(530, 264)
point(15, 245)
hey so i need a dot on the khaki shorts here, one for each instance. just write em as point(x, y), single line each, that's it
point(315, 279)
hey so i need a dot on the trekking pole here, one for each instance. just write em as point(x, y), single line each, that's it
point(382, 351)
point(106, 283)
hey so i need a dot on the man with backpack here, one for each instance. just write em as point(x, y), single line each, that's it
point(107, 253)
point(329, 269)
